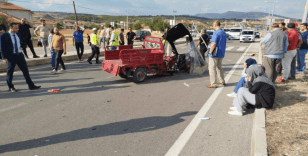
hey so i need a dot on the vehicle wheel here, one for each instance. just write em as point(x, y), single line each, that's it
point(140, 75)
point(122, 75)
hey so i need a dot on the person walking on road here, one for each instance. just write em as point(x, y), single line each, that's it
point(94, 46)
point(24, 30)
point(276, 44)
point(59, 45)
point(293, 38)
point(108, 34)
point(216, 55)
point(43, 36)
point(114, 42)
point(203, 42)
point(78, 42)
point(301, 54)
point(2, 31)
point(130, 36)
point(11, 44)
point(260, 92)
point(53, 55)
point(121, 36)
point(102, 36)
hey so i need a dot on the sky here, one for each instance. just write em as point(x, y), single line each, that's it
point(293, 8)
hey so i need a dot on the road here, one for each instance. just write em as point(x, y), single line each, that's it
point(96, 113)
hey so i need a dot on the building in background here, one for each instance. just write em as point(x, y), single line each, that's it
point(14, 13)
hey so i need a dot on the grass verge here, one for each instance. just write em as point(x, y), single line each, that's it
point(287, 122)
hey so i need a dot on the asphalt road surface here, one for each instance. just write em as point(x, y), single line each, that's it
point(96, 113)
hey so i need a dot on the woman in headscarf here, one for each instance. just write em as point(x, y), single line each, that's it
point(242, 81)
point(260, 91)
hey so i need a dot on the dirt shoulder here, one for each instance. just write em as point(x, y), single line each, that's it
point(287, 122)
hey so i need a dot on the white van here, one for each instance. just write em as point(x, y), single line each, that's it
point(247, 36)
point(235, 33)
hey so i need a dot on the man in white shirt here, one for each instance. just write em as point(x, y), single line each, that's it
point(108, 35)
point(102, 36)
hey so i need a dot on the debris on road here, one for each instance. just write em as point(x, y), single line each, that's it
point(187, 85)
point(204, 118)
point(54, 90)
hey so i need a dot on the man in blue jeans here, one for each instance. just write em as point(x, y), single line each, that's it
point(301, 54)
point(78, 42)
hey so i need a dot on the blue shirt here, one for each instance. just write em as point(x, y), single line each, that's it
point(78, 36)
point(220, 38)
point(304, 37)
point(13, 41)
point(268, 37)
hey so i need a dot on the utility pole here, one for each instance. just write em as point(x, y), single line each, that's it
point(127, 20)
point(75, 13)
point(174, 17)
point(304, 20)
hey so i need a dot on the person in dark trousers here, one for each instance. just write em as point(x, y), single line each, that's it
point(24, 30)
point(11, 44)
point(58, 44)
point(130, 36)
point(78, 42)
point(276, 45)
point(260, 91)
point(2, 30)
point(203, 42)
point(121, 37)
point(94, 46)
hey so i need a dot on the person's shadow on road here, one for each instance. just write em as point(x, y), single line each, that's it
point(117, 128)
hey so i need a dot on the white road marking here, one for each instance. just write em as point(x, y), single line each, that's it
point(241, 49)
point(229, 48)
point(187, 85)
point(193, 125)
point(11, 108)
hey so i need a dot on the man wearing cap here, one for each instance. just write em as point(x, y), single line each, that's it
point(24, 30)
point(301, 54)
point(293, 38)
point(203, 42)
point(102, 36)
point(276, 44)
point(78, 41)
point(43, 36)
point(95, 46)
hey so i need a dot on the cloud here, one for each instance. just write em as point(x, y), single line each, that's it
point(48, 3)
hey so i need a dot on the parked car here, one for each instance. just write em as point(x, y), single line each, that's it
point(193, 33)
point(141, 34)
point(210, 33)
point(257, 34)
point(247, 36)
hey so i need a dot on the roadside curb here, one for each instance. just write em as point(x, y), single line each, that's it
point(70, 57)
point(259, 139)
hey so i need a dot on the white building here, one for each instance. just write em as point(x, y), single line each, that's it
point(16, 11)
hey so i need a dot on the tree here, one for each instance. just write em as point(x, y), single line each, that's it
point(107, 24)
point(4, 21)
point(158, 24)
point(94, 26)
point(137, 26)
point(60, 25)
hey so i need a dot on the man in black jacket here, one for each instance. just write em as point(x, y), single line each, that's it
point(24, 31)
point(2, 30)
point(11, 44)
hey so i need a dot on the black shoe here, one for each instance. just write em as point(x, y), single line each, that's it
point(98, 62)
point(291, 78)
point(36, 56)
point(89, 62)
point(35, 87)
point(13, 90)
point(27, 57)
point(45, 55)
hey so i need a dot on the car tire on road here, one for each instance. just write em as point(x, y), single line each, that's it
point(140, 75)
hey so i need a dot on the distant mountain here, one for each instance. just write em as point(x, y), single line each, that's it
point(237, 15)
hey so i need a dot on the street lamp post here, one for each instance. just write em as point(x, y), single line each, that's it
point(275, 1)
point(174, 12)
